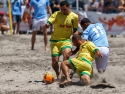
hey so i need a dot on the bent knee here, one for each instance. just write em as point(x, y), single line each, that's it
point(85, 79)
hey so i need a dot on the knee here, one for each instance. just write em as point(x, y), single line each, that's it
point(85, 79)
point(65, 57)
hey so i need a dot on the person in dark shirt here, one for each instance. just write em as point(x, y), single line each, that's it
point(111, 6)
point(54, 4)
point(81, 4)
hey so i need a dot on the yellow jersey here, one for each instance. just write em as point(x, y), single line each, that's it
point(87, 50)
point(63, 25)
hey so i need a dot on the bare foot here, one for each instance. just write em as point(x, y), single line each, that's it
point(61, 85)
point(46, 48)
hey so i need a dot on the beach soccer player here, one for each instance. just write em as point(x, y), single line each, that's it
point(82, 64)
point(97, 34)
point(65, 24)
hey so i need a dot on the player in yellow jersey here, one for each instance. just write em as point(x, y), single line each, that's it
point(82, 64)
point(65, 24)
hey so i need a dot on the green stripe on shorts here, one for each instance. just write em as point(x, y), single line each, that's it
point(66, 47)
point(70, 61)
point(84, 73)
point(86, 61)
point(66, 40)
point(54, 55)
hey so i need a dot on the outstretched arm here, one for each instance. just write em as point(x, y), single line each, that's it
point(73, 52)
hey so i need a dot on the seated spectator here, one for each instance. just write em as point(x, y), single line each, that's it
point(111, 6)
point(3, 22)
point(121, 6)
point(93, 6)
point(101, 6)
point(81, 4)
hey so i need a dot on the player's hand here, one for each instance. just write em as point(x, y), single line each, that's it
point(47, 25)
point(71, 53)
point(99, 53)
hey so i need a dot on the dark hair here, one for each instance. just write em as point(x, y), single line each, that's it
point(76, 37)
point(85, 20)
point(62, 3)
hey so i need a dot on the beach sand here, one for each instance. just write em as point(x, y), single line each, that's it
point(21, 69)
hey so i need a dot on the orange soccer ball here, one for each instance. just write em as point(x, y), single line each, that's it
point(49, 77)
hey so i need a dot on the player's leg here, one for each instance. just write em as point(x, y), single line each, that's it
point(66, 48)
point(55, 53)
point(101, 63)
point(18, 20)
point(65, 68)
point(14, 23)
point(55, 65)
point(36, 27)
point(43, 22)
point(85, 79)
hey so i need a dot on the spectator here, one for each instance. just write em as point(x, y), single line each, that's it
point(39, 19)
point(121, 6)
point(111, 6)
point(93, 6)
point(3, 22)
point(101, 6)
point(81, 4)
point(16, 14)
point(54, 4)
point(29, 16)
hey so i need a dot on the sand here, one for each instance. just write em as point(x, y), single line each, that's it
point(21, 69)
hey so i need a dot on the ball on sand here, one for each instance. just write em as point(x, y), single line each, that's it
point(49, 77)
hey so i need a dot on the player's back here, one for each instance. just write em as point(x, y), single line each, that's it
point(98, 35)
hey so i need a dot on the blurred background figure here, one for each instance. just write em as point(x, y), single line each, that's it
point(111, 6)
point(54, 5)
point(16, 14)
point(81, 4)
point(101, 6)
point(29, 16)
point(121, 5)
point(93, 6)
point(3, 23)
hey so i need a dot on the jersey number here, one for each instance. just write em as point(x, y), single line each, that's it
point(98, 30)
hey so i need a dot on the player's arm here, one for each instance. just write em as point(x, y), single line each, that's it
point(94, 49)
point(51, 20)
point(49, 10)
point(73, 52)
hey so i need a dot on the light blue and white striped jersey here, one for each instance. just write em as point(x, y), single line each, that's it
point(96, 33)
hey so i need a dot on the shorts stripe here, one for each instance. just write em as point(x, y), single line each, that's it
point(86, 61)
point(54, 55)
point(70, 61)
point(84, 73)
point(67, 40)
point(66, 47)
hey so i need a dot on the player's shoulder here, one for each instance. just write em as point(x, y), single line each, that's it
point(89, 42)
point(57, 12)
point(73, 14)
